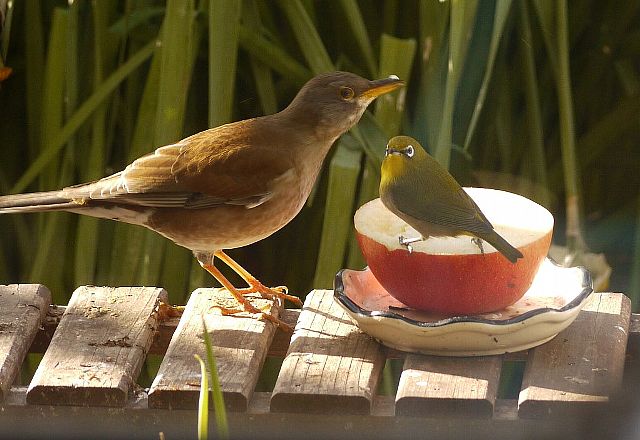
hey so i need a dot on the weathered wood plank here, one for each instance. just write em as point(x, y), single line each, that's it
point(431, 385)
point(23, 307)
point(582, 366)
point(99, 346)
point(240, 345)
point(166, 329)
point(331, 366)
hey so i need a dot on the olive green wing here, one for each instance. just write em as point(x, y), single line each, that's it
point(430, 194)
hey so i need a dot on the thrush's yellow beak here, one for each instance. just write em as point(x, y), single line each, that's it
point(382, 86)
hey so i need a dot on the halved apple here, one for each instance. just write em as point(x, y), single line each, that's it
point(451, 275)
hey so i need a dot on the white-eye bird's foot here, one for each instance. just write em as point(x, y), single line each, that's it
point(478, 242)
point(406, 242)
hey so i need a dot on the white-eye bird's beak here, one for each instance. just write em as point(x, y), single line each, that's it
point(390, 152)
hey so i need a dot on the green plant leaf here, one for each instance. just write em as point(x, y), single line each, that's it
point(222, 424)
point(307, 36)
point(433, 22)
point(261, 73)
point(533, 110)
point(344, 170)
point(273, 56)
point(501, 12)
point(354, 19)
point(396, 58)
point(224, 17)
point(58, 140)
point(6, 32)
point(462, 19)
point(203, 401)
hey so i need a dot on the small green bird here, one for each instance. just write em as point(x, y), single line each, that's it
point(416, 188)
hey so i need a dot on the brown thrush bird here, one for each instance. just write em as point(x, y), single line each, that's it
point(228, 186)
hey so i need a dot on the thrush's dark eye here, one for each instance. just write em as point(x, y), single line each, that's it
point(347, 93)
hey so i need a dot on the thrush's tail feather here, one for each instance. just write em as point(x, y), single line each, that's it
point(503, 246)
point(35, 202)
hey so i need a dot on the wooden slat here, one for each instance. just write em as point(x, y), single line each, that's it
point(331, 366)
point(98, 348)
point(23, 307)
point(583, 365)
point(166, 329)
point(240, 345)
point(431, 385)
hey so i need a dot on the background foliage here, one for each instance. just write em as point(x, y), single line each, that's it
point(539, 97)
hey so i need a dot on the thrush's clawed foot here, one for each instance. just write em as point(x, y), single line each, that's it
point(206, 261)
point(247, 307)
point(478, 242)
point(272, 293)
point(255, 286)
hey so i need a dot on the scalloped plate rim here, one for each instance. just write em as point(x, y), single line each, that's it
point(342, 298)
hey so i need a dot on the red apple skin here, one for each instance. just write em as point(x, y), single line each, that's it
point(454, 284)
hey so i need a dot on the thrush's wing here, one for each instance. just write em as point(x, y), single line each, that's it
point(435, 197)
point(211, 168)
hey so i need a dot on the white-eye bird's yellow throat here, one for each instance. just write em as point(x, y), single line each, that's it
point(416, 188)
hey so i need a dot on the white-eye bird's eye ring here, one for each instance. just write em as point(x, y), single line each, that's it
point(347, 93)
point(409, 151)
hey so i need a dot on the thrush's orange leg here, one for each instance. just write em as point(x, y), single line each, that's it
point(255, 286)
point(245, 305)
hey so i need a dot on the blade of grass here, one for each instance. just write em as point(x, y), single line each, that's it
point(501, 12)
point(58, 140)
point(53, 111)
point(353, 17)
point(533, 110)
point(396, 57)
point(307, 36)
point(224, 17)
point(53, 97)
point(390, 16)
point(344, 170)
point(203, 401)
point(367, 190)
point(34, 55)
point(138, 17)
point(433, 22)
point(575, 240)
point(627, 76)
point(547, 19)
point(222, 424)
point(86, 249)
point(163, 264)
point(6, 32)
point(620, 121)
point(462, 19)
point(371, 138)
point(128, 241)
point(261, 72)
point(273, 56)
point(176, 43)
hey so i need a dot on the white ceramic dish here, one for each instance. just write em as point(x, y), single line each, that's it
point(552, 303)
